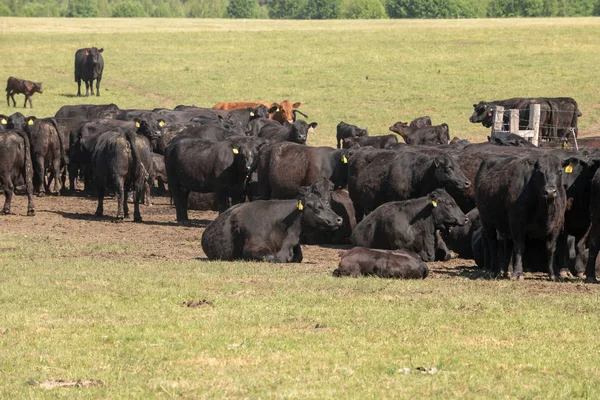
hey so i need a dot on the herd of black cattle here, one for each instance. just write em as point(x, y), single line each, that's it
point(505, 203)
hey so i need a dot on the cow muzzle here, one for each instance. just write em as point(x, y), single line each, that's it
point(550, 194)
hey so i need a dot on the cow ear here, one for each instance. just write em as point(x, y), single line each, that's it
point(296, 105)
point(304, 191)
point(273, 109)
point(100, 50)
point(433, 198)
point(30, 120)
point(137, 122)
point(313, 125)
point(474, 105)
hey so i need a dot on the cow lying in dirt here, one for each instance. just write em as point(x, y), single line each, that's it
point(398, 264)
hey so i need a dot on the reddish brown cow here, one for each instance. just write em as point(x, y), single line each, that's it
point(283, 111)
point(16, 86)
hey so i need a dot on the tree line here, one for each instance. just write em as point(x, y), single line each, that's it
point(300, 9)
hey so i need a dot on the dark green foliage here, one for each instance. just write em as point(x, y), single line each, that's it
point(129, 9)
point(286, 9)
point(322, 9)
point(430, 9)
point(82, 9)
point(242, 9)
point(206, 8)
point(363, 9)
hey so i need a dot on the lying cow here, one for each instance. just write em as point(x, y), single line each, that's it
point(267, 230)
point(427, 135)
point(399, 264)
point(345, 130)
point(22, 86)
point(409, 225)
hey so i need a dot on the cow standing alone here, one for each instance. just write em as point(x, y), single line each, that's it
point(89, 65)
point(16, 86)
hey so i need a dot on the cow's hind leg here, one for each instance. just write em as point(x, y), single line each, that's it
point(78, 86)
point(39, 175)
point(100, 209)
point(137, 197)
point(87, 88)
point(594, 246)
point(55, 173)
point(8, 188)
point(98, 86)
point(92, 87)
point(12, 96)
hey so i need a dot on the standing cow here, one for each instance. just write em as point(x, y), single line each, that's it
point(89, 65)
point(21, 86)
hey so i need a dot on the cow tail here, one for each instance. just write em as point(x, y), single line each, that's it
point(140, 173)
point(63, 157)
point(28, 165)
point(445, 126)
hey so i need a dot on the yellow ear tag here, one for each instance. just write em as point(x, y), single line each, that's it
point(565, 145)
point(434, 203)
point(30, 122)
point(251, 113)
point(300, 206)
point(235, 151)
point(568, 169)
point(344, 159)
point(137, 124)
point(4, 121)
point(277, 109)
point(161, 123)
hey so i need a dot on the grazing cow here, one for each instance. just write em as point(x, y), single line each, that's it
point(342, 206)
point(47, 152)
point(199, 165)
point(409, 225)
point(521, 197)
point(296, 132)
point(509, 139)
point(420, 122)
point(89, 65)
point(22, 86)
point(121, 161)
point(281, 112)
point(267, 230)
point(345, 130)
point(285, 167)
point(439, 134)
point(398, 264)
point(377, 142)
point(378, 176)
point(15, 161)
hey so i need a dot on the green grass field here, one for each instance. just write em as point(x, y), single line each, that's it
point(83, 299)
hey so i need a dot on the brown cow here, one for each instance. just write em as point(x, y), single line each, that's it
point(28, 88)
point(281, 112)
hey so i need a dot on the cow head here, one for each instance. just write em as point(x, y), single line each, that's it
point(18, 121)
point(482, 112)
point(400, 128)
point(260, 112)
point(244, 157)
point(3, 121)
point(149, 127)
point(340, 171)
point(93, 54)
point(300, 130)
point(444, 210)
point(547, 177)
point(316, 212)
point(37, 87)
point(284, 111)
point(447, 172)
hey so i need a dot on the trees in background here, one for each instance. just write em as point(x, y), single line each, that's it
point(300, 9)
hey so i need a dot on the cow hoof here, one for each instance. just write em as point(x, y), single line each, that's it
point(41, 194)
point(137, 219)
point(98, 214)
point(580, 276)
point(590, 280)
point(517, 277)
point(566, 274)
point(30, 213)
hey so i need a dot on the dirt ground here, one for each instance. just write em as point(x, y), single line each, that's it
point(69, 220)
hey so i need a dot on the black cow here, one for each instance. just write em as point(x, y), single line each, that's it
point(267, 230)
point(398, 264)
point(420, 122)
point(285, 167)
point(439, 134)
point(342, 206)
point(378, 176)
point(409, 225)
point(509, 139)
point(47, 152)
point(199, 165)
point(86, 112)
point(159, 173)
point(121, 161)
point(459, 143)
point(15, 161)
point(22, 86)
point(345, 130)
point(459, 238)
point(521, 196)
point(377, 142)
point(257, 124)
point(3, 122)
point(297, 132)
point(89, 65)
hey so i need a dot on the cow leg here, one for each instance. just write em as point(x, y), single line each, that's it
point(8, 98)
point(38, 175)
point(222, 199)
point(146, 194)
point(551, 246)
point(161, 191)
point(442, 253)
point(28, 98)
point(98, 86)
point(518, 249)
point(490, 256)
point(137, 197)
point(92, 87)
point(297, 257)
point(593, 243)
point(78, 86)
point(73, 172)
point(181, 200)
point(100, 209)
point(87, 88)
point(121, 197)
point(12, 96)
point(55, 173)
point(8, 188)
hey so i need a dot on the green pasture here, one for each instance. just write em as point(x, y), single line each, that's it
point(370, 73)
point(113, 312)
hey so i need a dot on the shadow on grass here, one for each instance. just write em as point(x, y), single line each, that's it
point(465, 271)
point(197, 223)
point(69, 95)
